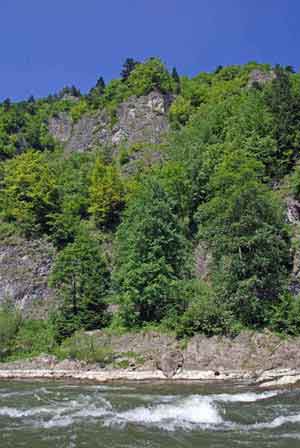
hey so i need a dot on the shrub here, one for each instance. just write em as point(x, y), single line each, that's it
point(204, 314)
point(152, 75)
point(34, 337)
point(83, 347)
point(285, 317)
point(9, 324)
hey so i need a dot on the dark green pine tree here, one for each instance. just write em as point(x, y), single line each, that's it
point(176, 79)
point(100, 86)
point(81, 277)
point(95, 94)
point(6, 104)
point(128, 66)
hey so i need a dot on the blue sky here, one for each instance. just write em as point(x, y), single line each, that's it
point(46, 44)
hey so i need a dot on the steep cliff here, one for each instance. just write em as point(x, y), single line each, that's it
point(138, 120)
point(25, 266)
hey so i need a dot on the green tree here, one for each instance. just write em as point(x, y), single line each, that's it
point(81, 278)
point(73, 180)
point(128, 66)
point(150, 258)
point(176, 79)
point(29, 192)
point(244, 225)
point(149, 76)
point(106, 194)
point(95, 93)
point(285, 107)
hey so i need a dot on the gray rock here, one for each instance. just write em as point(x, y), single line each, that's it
point(170, 362)
point(203, 259)
point(293, 210)
point(139, 120)
point(24, 271)
point(60, 127)
point(260, 77)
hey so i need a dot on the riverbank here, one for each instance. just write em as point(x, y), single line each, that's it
point(263, 359)
point(266, 379)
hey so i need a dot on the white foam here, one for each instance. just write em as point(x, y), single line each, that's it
point(185, 413)
point(278, 421)
point(248, 397)
point(20, 413)
point(56, 422)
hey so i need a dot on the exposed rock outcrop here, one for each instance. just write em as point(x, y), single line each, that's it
point(260, 77)
point(138, 120)
point(24, 270)
point(203, 259)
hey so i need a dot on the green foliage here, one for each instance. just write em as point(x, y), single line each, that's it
point(106, 194)
point(73, 180)
point(245, 228)
point(95, 94)
point(232, 142)
point(149, 76)
point(295, 182)
point(284, 105)
point(83, 347)
point(150, 255)
point(176, 80)
point(128, 66)
point(81, 277)
point(205, 313)
point(180, 111)
point(285, 315)
point(79, 109)
point(28, 192)
point(9, 324)
point(33, 338)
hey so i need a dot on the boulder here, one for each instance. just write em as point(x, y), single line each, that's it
point(170, 362)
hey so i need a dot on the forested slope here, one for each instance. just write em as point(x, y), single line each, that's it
point(171, 201)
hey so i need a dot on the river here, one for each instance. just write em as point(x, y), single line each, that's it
point(58, 415)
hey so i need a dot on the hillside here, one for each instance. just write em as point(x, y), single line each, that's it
point(155, 201)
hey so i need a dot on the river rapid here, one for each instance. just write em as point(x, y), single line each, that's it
point(49, 414)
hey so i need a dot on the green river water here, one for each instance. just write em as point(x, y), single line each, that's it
point(49, 414)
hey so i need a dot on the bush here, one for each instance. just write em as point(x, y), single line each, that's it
point(9, 324)
point(180, 111)
point(285, 317)
point(204, 314)
point(152, 75)
point(83, 347)
point(34, 337)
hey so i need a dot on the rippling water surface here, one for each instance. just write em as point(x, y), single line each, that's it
point(166, 416)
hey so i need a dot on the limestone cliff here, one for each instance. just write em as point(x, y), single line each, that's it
point(138, 120)
point(25, 266)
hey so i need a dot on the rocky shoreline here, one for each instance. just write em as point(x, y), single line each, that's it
point(260, 359)
point(266, 379)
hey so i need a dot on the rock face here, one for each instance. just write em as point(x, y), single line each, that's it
point(260, 77)
point(138, 120)
point(170, 362)
point(24, 271)
point(293, 210)
point(203, 260)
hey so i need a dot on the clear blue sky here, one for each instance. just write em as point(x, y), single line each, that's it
point(46, 44)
